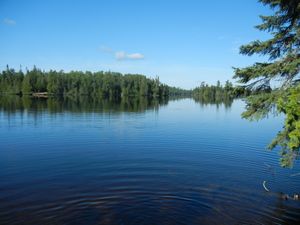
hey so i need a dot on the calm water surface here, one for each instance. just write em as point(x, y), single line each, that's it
point(139, 162)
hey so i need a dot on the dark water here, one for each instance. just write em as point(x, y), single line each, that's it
point(139, 162)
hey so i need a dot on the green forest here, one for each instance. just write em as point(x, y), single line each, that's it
point(214, 91)
point(104, 85)
point(75, 83)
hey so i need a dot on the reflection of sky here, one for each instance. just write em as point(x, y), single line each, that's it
point(182, 120)
point(180, 115)
point(182, 151)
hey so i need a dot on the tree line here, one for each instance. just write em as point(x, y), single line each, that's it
point(106, 85)
point(219, 94)
point(215, 92)
point(74, 83)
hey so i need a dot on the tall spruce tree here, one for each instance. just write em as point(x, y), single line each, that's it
point(275, 84)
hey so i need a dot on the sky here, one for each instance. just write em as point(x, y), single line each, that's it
point(184, 42)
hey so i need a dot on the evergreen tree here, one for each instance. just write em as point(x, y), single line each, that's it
point(275, 84)
point(76, 83)
point(214, 93)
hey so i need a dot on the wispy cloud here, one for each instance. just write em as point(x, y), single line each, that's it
point(121, 55)
point(9, 22)
point(135, 56)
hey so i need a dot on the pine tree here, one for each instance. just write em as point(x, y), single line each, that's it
point(275, 84)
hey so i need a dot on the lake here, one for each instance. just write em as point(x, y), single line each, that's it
point(140, 162)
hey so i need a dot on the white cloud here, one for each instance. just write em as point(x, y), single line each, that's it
point(121, 55)
point(9, 22)
point(133, 56)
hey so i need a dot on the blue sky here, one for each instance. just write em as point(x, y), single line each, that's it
point(183, 42)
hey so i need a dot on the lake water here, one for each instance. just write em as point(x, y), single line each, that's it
point(140, 162)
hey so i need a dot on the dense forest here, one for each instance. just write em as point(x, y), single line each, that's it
point(214, 92)
point(218, 93)
point(105, 85)
point(74, 83)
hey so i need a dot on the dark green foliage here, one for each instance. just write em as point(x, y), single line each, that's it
point(275, 84)
point(11, 81)
point(75, 83)
point(216, 93)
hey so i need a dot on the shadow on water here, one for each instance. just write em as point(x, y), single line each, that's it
point(215, 100)
point(81, 104)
